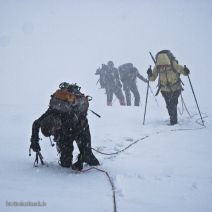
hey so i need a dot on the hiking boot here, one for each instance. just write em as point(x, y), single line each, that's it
point(65, 164)
point(66, 158)
point(91, 160)
point(77, 166)
point(173, 122)
point(109, 103)
point(122, 102)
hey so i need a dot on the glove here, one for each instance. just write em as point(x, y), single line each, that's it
point(186, 71)
point(35, 146)
point(149, 72)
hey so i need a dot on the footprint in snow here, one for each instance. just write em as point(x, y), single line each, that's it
point(194, 186)
point(129, 139)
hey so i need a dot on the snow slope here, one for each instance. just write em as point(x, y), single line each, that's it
point(43, 43)
point(168, 171)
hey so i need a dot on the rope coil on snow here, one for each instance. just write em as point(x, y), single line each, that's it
point(147, 136)
point(127, 147)
point(111, 183)
point(122, 150)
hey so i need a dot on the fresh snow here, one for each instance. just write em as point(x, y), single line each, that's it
point(43, 43)
point(168, 171)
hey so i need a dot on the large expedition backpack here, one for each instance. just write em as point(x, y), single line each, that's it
point(126, 72)
point(69, 99)
point(102, 75)
point(164, 63)
point(171, 57)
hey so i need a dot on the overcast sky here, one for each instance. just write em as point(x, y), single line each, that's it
point(44, 42)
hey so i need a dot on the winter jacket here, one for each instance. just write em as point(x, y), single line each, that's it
point(128, 74)
point(71, 124)
point(112, 80)
point(169, 74)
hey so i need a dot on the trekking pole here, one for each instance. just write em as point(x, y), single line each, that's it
point(152, 58)
point(95, 113)
point(147, 91)
point(195, 100)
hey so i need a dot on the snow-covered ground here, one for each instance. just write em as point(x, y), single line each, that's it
point(167, 171)
point(43, 43)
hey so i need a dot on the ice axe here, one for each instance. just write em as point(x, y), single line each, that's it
point(37, 157)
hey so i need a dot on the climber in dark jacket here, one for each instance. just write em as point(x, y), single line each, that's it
point(65, 127)
point(109, 79)
point(128, 75)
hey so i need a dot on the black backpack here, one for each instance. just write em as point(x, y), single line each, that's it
point(126, 72)
point(69, 99)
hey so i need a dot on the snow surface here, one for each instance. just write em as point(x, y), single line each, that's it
point(43, 43)
point(168, 171)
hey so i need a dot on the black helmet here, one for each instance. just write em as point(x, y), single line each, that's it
point(64, 85)
point(74, 88)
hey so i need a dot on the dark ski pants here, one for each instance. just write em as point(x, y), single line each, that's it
point(171, 99)
point(118, 93)
point(128, 88)
point(65, 148)
point(84, 145)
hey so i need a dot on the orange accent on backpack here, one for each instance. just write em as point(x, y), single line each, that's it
point(65, 95)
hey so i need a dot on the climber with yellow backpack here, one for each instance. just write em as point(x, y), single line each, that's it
point(66, 120)
point(168, 72)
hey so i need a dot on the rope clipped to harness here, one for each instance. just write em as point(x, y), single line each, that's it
point(183, 107)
